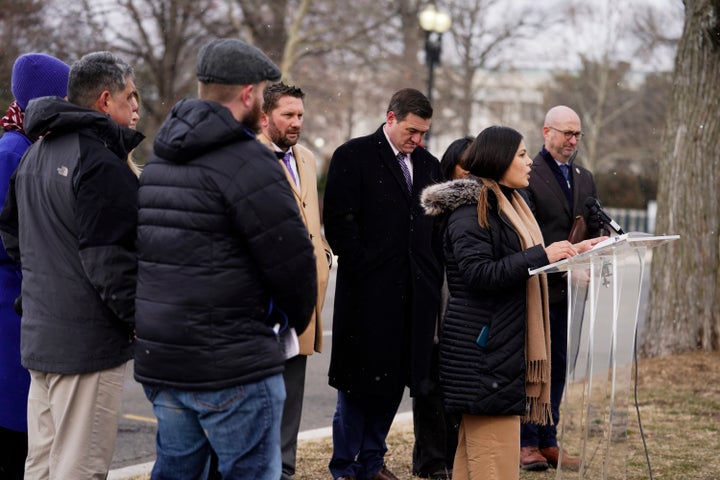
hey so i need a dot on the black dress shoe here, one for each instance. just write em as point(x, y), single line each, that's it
point(439, 474)
point(345, 477)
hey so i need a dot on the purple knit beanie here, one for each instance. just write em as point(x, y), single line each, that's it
point(38, 75)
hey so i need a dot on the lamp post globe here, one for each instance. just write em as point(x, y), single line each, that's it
point(434, 21)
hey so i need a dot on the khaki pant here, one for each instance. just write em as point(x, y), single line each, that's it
point(488, 448)
point(72, 424)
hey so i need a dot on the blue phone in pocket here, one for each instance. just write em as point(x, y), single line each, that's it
point(483, 337)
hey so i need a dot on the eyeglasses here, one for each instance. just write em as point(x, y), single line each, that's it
point(569, 133)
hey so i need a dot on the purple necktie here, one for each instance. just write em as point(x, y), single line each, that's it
point(286, 160)
point(405, 170)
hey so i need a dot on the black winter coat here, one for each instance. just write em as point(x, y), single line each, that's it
point(487, 276)
point(389, 268)
point(220, 240)
point(552, 210)
point(70, 218)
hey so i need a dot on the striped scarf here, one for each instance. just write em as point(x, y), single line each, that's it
point(13, 119)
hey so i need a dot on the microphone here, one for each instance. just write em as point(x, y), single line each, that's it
point(592, 204)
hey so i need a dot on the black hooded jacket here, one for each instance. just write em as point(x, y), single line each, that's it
point(223, 254)
point(70, 217)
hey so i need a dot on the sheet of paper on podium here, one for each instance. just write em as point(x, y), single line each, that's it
point(606, 248)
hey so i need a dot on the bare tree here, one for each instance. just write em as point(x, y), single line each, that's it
point(290, 31)
point(347, 56)
point(312, 41)
point(621, 105)
point(483, 33)
point(654, 29)
point(267, 23)
point(21, 31)
point(161, 39)
point(622, 130)
point(684, 308)
point(604, 72)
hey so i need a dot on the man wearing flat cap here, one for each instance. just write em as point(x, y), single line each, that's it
point(225, 266)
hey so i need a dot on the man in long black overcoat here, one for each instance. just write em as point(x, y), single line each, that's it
point(388, 281)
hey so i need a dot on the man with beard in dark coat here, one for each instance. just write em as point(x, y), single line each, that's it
point(225, 266)
point(388, 282)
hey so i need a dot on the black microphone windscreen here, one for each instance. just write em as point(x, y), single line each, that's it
point(591, 203)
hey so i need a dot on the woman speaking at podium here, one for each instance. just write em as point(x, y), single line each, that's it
point(495, 344)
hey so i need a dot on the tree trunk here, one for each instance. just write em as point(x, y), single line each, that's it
point(684, 310)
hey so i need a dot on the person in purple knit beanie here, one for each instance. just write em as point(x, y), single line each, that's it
point(33, 75)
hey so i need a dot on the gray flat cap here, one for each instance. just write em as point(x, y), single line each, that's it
point(233, 62)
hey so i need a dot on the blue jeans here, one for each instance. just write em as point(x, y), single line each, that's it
point(240, 424)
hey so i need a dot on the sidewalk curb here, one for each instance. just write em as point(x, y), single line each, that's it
point(131, 472)
point(134, 472)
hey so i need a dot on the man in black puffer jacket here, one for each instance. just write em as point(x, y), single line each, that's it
point(225, 263)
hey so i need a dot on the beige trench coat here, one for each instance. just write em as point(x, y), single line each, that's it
point(309, 205)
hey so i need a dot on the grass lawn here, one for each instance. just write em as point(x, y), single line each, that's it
point(679, 398)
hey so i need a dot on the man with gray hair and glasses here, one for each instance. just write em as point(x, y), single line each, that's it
point(70, 218)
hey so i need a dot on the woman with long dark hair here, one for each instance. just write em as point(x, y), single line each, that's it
point(495, 345)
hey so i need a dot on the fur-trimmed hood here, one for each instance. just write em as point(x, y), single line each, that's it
point(448, 196)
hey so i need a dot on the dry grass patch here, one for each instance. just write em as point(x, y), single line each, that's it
point(679, 398)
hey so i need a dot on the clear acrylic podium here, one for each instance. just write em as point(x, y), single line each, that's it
point(606, 295)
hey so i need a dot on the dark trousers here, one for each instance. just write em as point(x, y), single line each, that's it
point(436, 432)
point(294, 376)
point(436, 435)
point(360, 427)
point(12, 454)
point(544, 436)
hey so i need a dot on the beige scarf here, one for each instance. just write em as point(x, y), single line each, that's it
point(537, 331)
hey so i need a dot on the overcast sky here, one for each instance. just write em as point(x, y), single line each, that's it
point(603, 26)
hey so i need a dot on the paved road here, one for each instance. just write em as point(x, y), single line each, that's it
point(136, 435)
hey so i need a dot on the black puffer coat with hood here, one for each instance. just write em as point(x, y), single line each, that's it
point(487, 273)
point(222, 250)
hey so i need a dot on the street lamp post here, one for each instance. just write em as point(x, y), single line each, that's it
point(434, 23)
